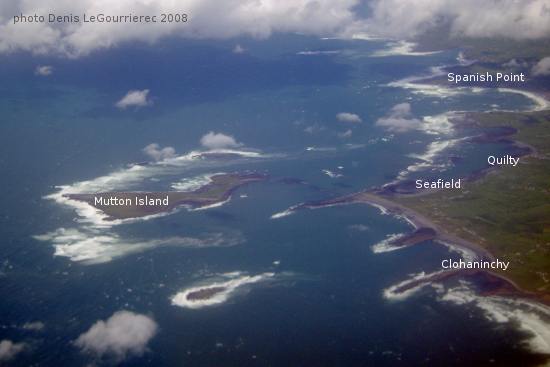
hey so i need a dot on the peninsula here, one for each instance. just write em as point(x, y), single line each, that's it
point(504, 213)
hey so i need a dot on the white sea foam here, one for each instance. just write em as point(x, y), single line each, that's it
point(238, 153)
point(465, 253)
point(539, 102)
point(128, 178)
point(332, 174)
point(413, 84)
point(215, 205)
point(385, 245)
point(401, 48)
point(318, 52)
point(438, 124)
point(434, 149)
point(528, 316)
point(92, 246)
point(383, 210)
point(230, 283)
point(407, 220)
point(428, 158)
point(194, 183)
point(284, 213)
point(393, 293)
point(320, 149)
point(430, 90)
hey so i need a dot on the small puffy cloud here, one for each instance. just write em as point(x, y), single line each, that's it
point(214, 140)
point(43, 70)
point(348, 117)
point(34, 326)
point(399, 119)
point(542, 67)
point(238, 49)
point(9, 349)
point(346, 134)
point(124, 334)
point(156, 153)
point(136, 98)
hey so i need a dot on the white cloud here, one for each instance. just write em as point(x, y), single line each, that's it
point(524, 19)
point(9, 349)
point(214, 140)
point(348, 117)
point(153, 151)
point(43, 70)
point(206, 19)
point(399, 119)
point(542, 67)
point(124, 334)
point(136, 98)
point(214, 19)
point(513, 63)
point(238, 49)
point(346, 134)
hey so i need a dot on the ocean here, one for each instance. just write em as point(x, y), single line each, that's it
point(313, 293)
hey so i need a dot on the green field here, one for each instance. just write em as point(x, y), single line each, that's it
point(506, 211)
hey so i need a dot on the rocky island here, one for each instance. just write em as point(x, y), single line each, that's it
point(204, 293)
point(126, 205)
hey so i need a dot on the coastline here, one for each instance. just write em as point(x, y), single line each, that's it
point(417, 219)
point(509, 287)
point(387, 200)
point(509, 133)
point(212, 194)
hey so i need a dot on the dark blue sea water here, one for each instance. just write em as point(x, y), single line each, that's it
point(327, 306)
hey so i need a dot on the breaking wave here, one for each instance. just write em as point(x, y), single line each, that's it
point(386, 244)
point(465, 253)
point(539, 103)
point(128, 178)
point(317, 53)
point(222, 289)
point(92, 246)
point(427, 160)
point(527, 316)
point(410, 286)
point(401, 48)
point(93, 240)
point(285, 213)
point(332, 174)
point(194, 183)
point(215, 205)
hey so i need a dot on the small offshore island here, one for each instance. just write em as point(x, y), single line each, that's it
point(205, 293)
point(127, 205)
